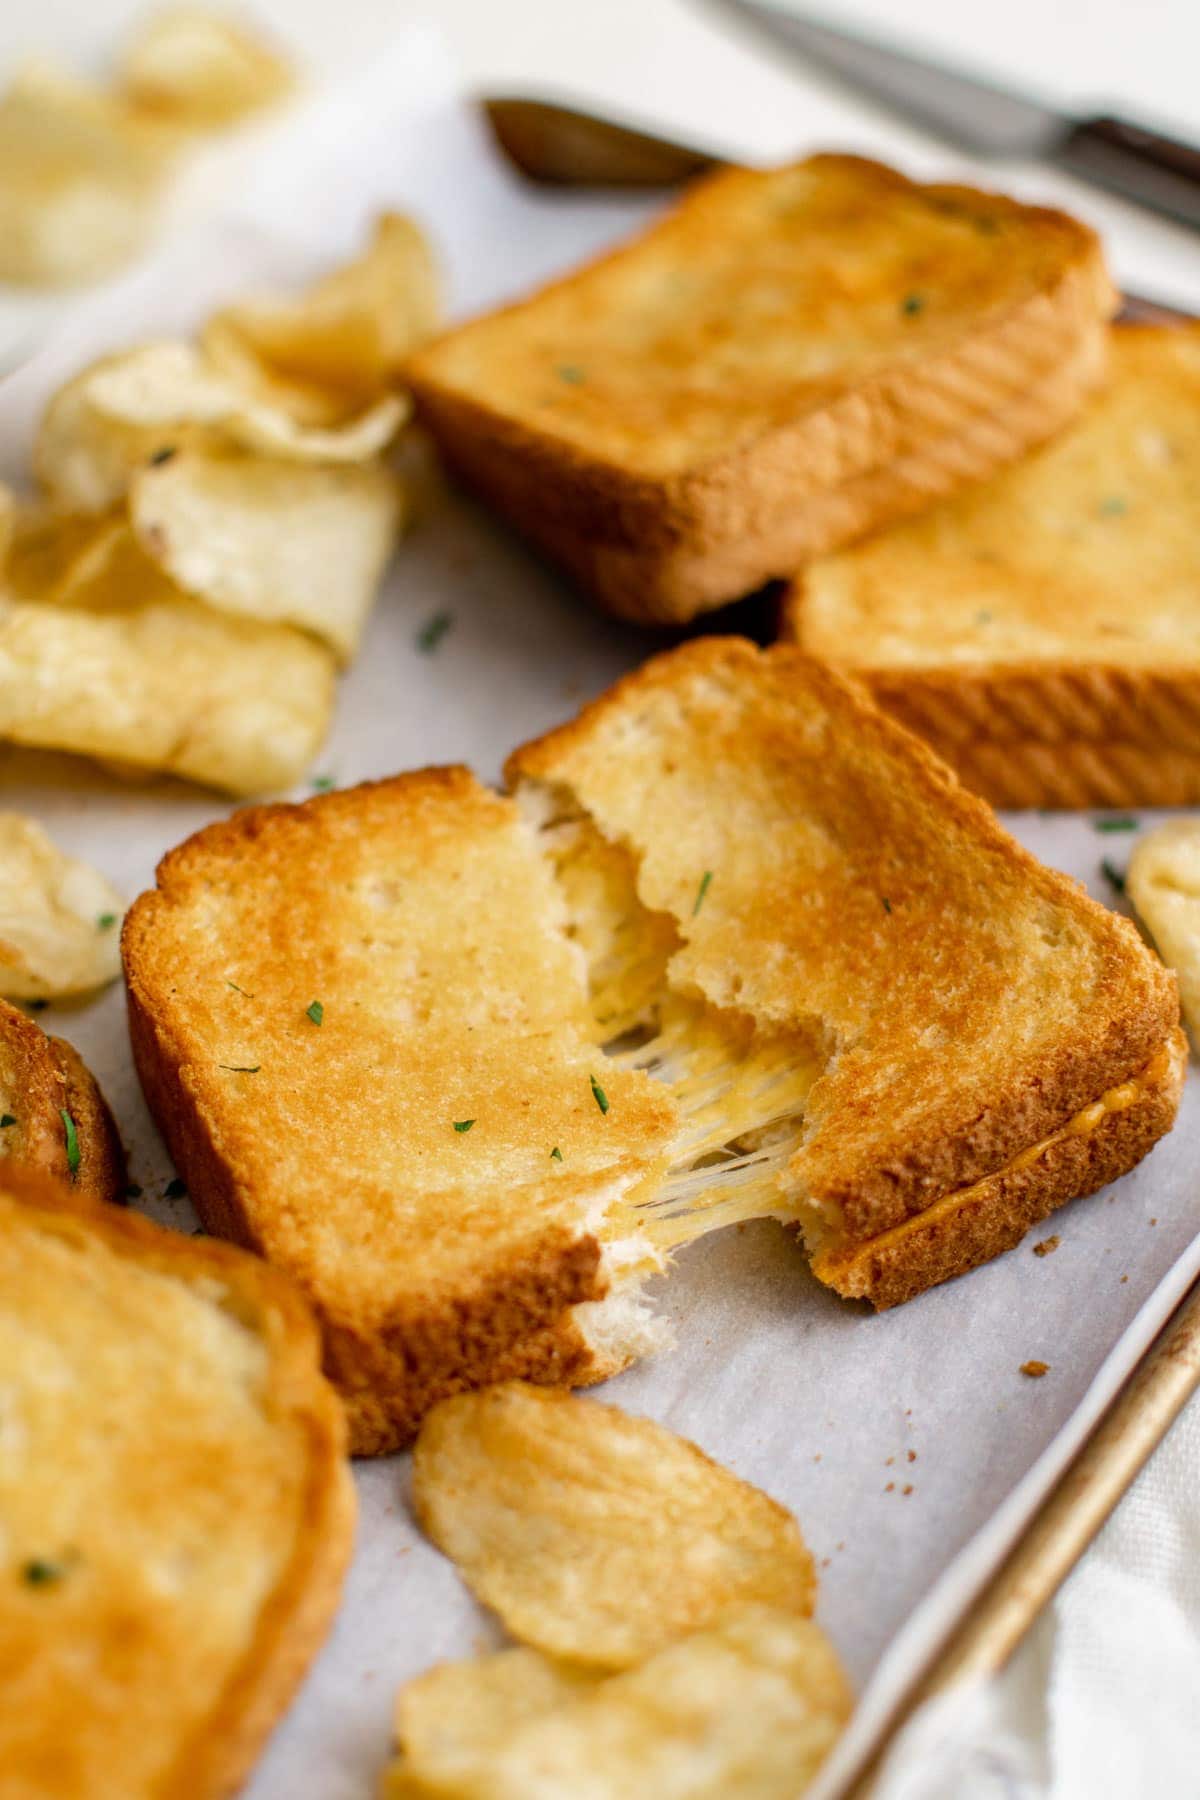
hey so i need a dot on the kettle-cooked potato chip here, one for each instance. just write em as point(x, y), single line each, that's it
point(79, 178)
point(1164, 884)
point(202, 69)
point(59, 919)
point(594, 1535)
point(132, 671)
point(750, 1707)
point(298, 544)
point(141, 405)
point(346, 337)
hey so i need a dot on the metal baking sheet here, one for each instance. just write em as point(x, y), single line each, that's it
point(909, 1445)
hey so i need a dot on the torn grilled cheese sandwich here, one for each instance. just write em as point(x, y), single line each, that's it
point(735, 946)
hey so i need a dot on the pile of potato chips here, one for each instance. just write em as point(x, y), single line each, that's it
point(82, 165)
point(663, 1607)
point(213, 523)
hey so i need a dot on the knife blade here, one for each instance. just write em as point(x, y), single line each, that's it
point(1129, 159)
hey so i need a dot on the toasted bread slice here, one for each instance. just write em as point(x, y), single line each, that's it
point(789, 359)
point(738, 946)
point(1043, 631)
point(175, 1509)
point(54, 1116)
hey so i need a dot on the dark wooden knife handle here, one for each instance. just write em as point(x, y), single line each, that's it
point(1147, 166)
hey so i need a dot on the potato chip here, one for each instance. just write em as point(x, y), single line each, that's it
point(1164, 884)
point(141, 405)
point(347, 336)
point(188, 64)
point(594, 1535)
point(276, 541)
point(751, 1707)
point(79, 179)
point(450, 1719)
point(134, 672)
point(59, 919)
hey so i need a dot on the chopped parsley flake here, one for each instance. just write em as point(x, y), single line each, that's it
point(6, 1120)
point(983, 617)
point(572, 374)
point(463, 1124)
point(911, 305)
point(887, 905)
point(1113, 875)
point(556, 1154)
point(72, 1140)
point(162, 456)
point(1113, 507)
point(1122, 823)
point(240, 1068)
point(238, 990)
point(106, 921)
point(599, 1095)
point(316, 1012)
point(41, 1572)
point(433, 631)
point(705, 879)
point(322, 783)
point(175, 1189)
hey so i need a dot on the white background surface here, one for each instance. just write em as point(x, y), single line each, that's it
point(671, 64)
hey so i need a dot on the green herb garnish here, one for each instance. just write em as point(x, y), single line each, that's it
point(238, 990)
point(175, 1189)
point(37, 1005)
point(316, 1012)
point(7, 1120)
point(1123, 823)
point(322, 783)
point(72, 1140)
point(240, 1068)
point(887, 905)
point(106, 921)
point(463, 1124)
point(599, 1095)
point(41, 1572)
point(705, 879)
point(161, 456)
point(1113, 507)
point(911, 305)
point(983, 617)
point(556, 1154)
point(1114, 875)
point(571, 373)
point(433, 631)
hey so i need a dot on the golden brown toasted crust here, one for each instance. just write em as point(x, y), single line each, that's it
point(969, 1227)
point(1000, 627)
point(1093, 737)
point(331, 1149)
point(975, 1000)
point(41, 1078)
point(214, 1757)
point(666, 491)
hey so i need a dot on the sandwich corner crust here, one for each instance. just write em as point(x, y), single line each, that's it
point(42, 1077)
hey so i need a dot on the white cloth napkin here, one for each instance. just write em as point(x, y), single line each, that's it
point(1103, 1697)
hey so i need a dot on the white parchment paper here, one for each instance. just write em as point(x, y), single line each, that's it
point(909, 1445)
